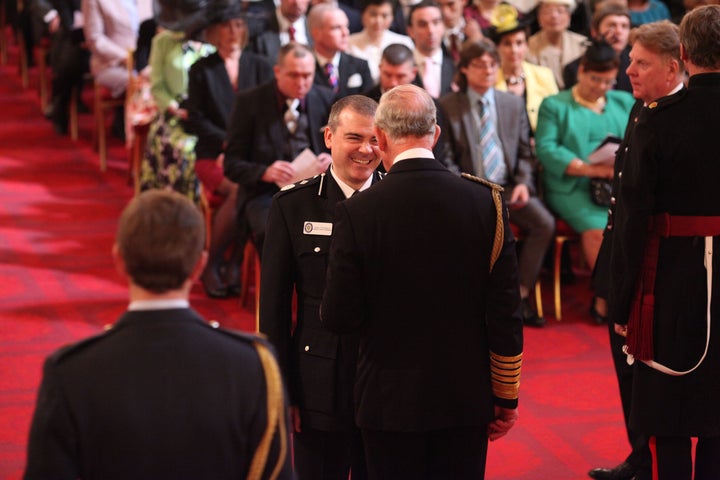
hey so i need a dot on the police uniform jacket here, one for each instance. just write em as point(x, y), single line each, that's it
point(162, 395)
point(410, 271)
point(319, 365)
point(672, 168)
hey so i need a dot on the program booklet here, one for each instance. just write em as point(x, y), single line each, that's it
point(604, 154)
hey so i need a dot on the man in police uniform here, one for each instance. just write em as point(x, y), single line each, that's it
point(163, 394)
point(423, 267)
point(663, 276)
point(319, 365)
point(655, 71)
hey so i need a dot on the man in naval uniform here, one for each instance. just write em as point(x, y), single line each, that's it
point(163, 394)
point(319, 365)
point(664, 282)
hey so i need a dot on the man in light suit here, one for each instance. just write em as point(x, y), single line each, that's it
point(477, 71)
point(163, 394)
point(436, 67)
point(423, 266)
point(263, 139)
point(343, 73)
point(319, 365)
point(287, 23)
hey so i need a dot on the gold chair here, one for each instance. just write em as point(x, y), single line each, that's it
point(563, 233)
point(40, 53)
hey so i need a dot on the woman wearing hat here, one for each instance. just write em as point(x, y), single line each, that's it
point(554, 46)
point(517, 76)
point(571, 125)
point(169, 160)
point(214, 81)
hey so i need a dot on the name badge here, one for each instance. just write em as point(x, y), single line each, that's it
point(317, 228)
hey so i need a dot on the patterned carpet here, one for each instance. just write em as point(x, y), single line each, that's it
point(57, 284)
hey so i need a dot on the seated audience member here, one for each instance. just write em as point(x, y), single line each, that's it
point(571, 125)
point(169, 160)
point(213, 84)
point(288, 23)
point(458, 29)
point(271, 125)
point(610, 22)
point(483, 12)
point(554, 46)
point(647, 11)
point(111, 32)
point(397, 67)
point(344, 74)
point(426, 28)
point(532, 82)
point(353, 14)
point(369, 43)
point(163, 394)
point(488, 136)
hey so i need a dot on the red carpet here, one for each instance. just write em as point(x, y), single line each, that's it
point(58, 215)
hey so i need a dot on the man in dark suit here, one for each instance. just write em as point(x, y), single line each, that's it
point(319, 365)
point(664, 282)
point(397, 67)
point(163, 394)
point(287, 23)
point(656, 71)
point(477, 68)
point(269, 127)
point(423, 266)
point(426, 28)
point(335, 69)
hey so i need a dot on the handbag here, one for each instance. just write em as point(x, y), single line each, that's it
point(601, 191)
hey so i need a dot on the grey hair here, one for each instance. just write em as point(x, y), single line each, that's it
point(406, 111)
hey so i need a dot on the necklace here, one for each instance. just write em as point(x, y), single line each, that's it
point(515, 80)
point(597, 106)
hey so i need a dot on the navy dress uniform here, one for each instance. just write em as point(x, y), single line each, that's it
point(664, 281)
point(319, 365)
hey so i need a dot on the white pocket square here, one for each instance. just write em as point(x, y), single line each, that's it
point(354, 81)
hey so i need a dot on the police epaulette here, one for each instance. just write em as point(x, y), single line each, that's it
point(246, 336)
point(487, 183)
point(69, 349)
point(302, 183)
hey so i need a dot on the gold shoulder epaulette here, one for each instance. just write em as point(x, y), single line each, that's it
point(487, 183)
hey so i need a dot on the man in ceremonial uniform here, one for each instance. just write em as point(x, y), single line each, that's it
point(319, 365)
point(664, 282)
point(423, 266)
point(655, 71)
point(163, 394)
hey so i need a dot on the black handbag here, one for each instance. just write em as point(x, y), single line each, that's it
point(601, 191)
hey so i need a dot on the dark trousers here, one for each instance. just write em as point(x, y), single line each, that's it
point(673, 457)
point(449, 454)
point(640, 456)
point(255, 212)
point(319, 455)
point(69, 62)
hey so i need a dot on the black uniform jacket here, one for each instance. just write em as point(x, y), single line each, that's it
point(319, 365)
point(162, 395)
point(410, 270)
point(672, 167)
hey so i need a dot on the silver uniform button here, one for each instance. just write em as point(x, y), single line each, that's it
point(620, 174)
point(316, 249)
point(214, 324)
point(307, 348)
point(612, 201)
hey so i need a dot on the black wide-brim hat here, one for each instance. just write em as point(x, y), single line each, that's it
point(506, 20)
point(181, 15)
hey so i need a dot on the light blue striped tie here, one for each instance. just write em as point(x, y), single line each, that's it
point(492, 156)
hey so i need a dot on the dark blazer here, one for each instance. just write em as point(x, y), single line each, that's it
point(267, 43)
point(447, 75)
point(353, 76)
point(670, 168)
point(161, 395)
point(319, 366)
point(427, 329)
point(257, 135)
point(211, 95)
point(513, 129)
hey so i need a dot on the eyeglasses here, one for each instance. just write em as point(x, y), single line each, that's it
point(483, 65)
point(606, 82)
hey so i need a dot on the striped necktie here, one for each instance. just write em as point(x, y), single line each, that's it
point(331, 76)
point(491, 154)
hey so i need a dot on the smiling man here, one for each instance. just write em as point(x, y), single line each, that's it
point(319, 366)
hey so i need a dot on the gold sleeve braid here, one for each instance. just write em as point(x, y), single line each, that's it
point(499, 225)
point(505, 375)
point(275, 418)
